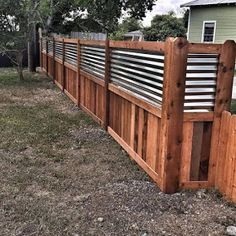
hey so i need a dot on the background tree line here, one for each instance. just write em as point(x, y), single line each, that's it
point(20, 20)
point(162, 26)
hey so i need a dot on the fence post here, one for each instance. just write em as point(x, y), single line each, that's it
point(106, 85)
point(223, 97)
point(46, 56)
point(53, 59)
point(78, 74)
point(63, 65)
point(176, 53)
point(40, 55)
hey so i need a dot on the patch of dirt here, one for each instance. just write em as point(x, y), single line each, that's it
point(61, 174)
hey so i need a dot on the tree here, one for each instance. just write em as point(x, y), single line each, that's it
point(163, 26)
point(128, 24)
point(185, 18)
point(14, 32)
point(18, 21)
point(108, 12)
point(96, 15)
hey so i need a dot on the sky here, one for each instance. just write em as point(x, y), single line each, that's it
point(162, 7)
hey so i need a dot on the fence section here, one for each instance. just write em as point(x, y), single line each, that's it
point(162, 102)
point(226, 164)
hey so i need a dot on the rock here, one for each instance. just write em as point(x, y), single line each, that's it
point(144, 234)
point(81, 198)
point(100, 219)
point(135, 226)
point(201, 193)
point(231, 230)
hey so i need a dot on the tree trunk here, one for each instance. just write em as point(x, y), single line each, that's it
point(31, 50)
point(20, 73)
point(19, 68)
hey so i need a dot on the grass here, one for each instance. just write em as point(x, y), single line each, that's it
point(60, 172)
point(36, 125)
point(49, 147)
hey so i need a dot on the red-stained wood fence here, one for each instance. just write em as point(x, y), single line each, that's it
point(161, 101)
point(226, 158)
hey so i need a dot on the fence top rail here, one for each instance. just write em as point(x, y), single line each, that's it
point(149, 46)
point(204, 48)
point(59, 39)
point(144, 45)
point(93, 42)
point(74, 40)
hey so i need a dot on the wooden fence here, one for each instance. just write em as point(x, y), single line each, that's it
point(226, 164)
point(161, 101)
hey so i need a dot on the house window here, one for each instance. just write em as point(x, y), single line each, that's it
point(208, 32)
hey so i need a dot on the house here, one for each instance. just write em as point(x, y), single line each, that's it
point(136, 35)
point(211, 21)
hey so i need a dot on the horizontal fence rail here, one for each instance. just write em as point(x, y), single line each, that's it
point(161, 101)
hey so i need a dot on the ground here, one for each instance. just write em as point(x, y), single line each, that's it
point(61, 174)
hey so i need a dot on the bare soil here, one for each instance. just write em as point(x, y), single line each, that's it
point(61, 174)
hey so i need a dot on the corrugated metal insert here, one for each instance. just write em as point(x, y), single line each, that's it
point(44, 44)
point(50, 46)
point(58, 49)
point(139, 72)
point(71, 53)
point(200, 82)
point(93, 60)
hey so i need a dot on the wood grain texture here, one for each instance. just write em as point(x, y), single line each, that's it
point(137, 101)
point(150, 46)
point(196, 151)
point(186, 152)
point(136, 157)
point(222, 99)
point(106, 84)
point(91, 95)
point(175, 65)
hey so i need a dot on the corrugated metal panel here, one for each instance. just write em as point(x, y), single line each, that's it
point(201, 82)
point(93, 60)
point(71, 53)
point(44, 44)
point(50, 46)
point(139, 72)
point(58, 50)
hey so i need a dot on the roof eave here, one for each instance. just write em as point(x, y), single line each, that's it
point(206, 5)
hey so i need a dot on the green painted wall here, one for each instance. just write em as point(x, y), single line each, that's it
point(225, 17)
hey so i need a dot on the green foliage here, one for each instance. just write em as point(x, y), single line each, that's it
point(163, 26)
point(95, 15)
point(128, 24)
point(14, 28)
point(185, 18)
point(233, 107)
